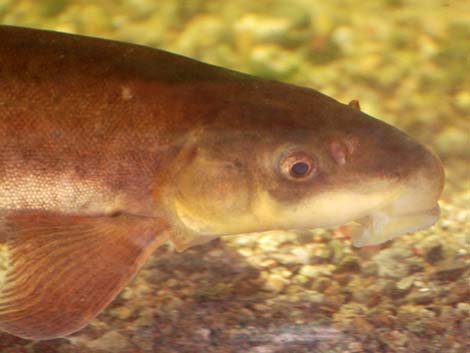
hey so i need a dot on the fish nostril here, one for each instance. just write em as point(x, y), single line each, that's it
point(338, 152)
point(341, 151)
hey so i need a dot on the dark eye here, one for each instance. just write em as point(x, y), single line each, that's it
point(298, 166)
point(300, 169)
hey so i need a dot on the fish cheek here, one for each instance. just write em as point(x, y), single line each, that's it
point(213, 187)
point(290, 193)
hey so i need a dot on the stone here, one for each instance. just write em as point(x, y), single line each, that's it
point(110, 342)
point(349, 311)
point(450, 271)
point(431, 248)
point(349, 263)
point(370, 269)
point(422, 297)
point(314, 271)
point(414, 318)
point(406, 283)
point(395, 262)
point(275, 283)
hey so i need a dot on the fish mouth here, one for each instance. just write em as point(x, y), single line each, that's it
point(383, 225)
point(415, 207)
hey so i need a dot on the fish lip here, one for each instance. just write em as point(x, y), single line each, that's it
point(435, 210)
point(383, 225)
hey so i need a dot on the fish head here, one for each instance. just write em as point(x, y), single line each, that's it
point(286, 158)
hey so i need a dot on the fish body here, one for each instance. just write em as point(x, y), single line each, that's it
point(109, 150)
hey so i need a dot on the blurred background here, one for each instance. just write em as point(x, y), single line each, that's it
point(408, 63)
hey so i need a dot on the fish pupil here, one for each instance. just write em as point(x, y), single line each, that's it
point(300, 169)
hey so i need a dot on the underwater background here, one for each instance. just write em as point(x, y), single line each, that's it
point(408, 63)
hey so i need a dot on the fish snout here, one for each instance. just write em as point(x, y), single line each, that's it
point(423, 186)
point(417, 176)
point(387, 153)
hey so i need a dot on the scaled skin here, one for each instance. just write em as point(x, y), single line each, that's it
point(96, 134)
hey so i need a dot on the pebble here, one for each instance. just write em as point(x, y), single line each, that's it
point(109, 342)
point(122, 312)
point(431, 247)
point(349, 263)
point(314, 271)
point(276, 283)
point(414, 318)
point(422, 297)
point(405, 283)
point(302, 256)
point(450, 271)
point(349, 311)
point(370, 268)
point(393, 262)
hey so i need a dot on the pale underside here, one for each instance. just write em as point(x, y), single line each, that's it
point(378, 215)
point(60, 193)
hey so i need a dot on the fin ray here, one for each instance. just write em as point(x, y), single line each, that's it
point(63, 269)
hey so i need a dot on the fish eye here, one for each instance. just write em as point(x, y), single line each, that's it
point(299, 169)
point(298, 166)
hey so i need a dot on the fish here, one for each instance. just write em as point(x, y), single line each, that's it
point(109, 150)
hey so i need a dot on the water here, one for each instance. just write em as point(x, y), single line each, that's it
point(311, 292)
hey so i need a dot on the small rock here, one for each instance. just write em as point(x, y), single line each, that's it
point(315, 297)
point(393, 262)
point(433, 254)
point(337, 248)
point(122, 312)
point(203, 333)
point(414, 318)
point(422, 297)
point(286, 259)
point(302, 255)
point(392, 290)
point(268, 263)
point(356, 347)
point(313, 271)
point(464, 308)
point(349, 311)
point(450, 271)
point(432, 249)
point(395, 339)
point(300, 279)
point(349, 264)
point(275, 283)
point(320, 284)
point(271, 241)
point(370, 269)
point(406, 283)
point(320, 253)
point(262, 307)
point(110, 342)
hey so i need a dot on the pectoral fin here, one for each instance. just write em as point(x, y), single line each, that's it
point(59, 271)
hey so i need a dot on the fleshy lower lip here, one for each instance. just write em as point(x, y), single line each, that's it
point(381, 226)
point(435, 209)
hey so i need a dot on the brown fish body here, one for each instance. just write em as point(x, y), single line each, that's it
point(111, 114)
point(108, 150)
point(76, 107)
